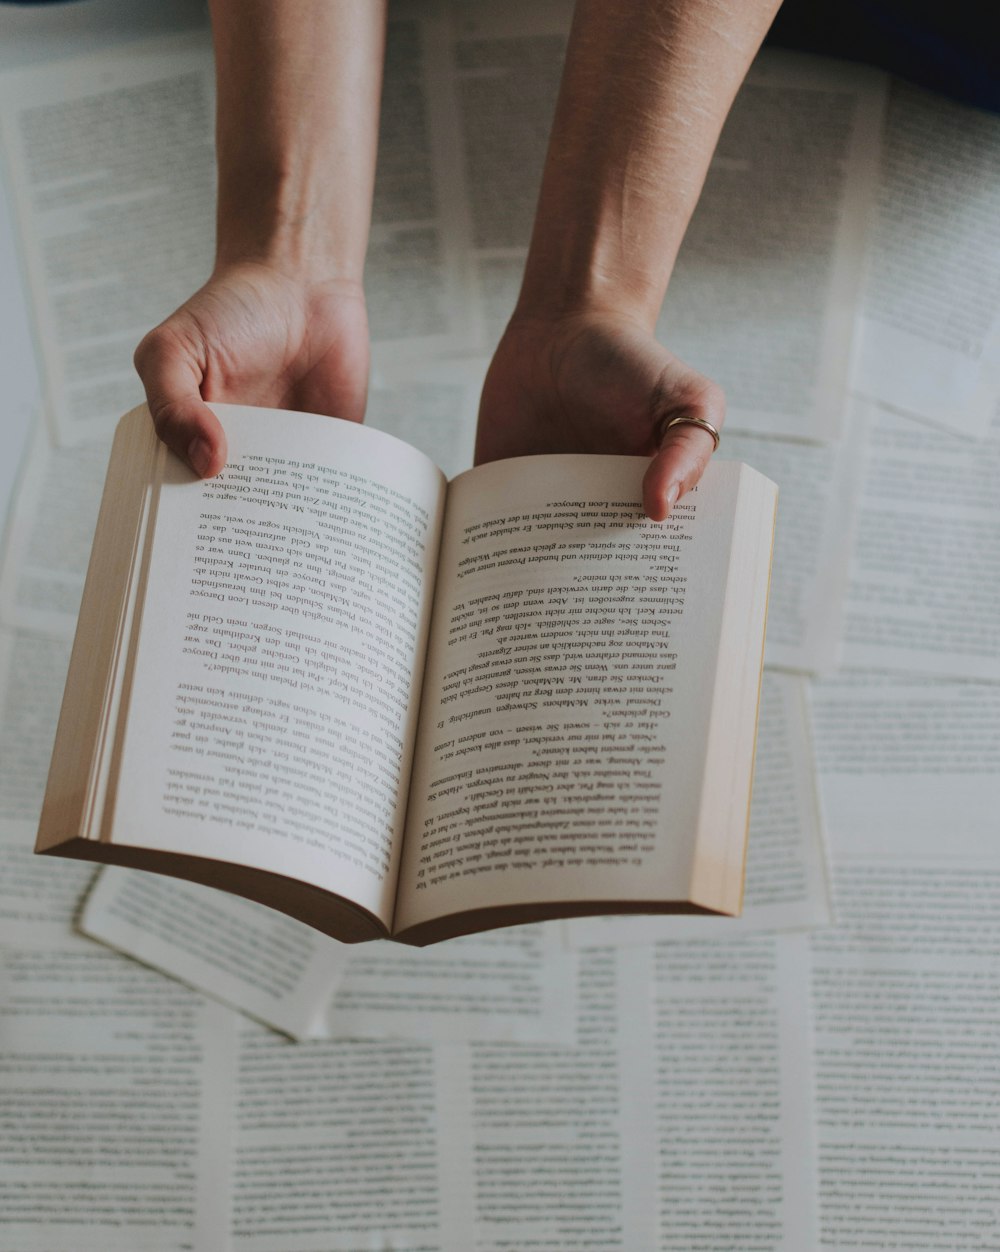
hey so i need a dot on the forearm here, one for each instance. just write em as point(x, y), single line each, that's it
point(298, 98)
point(645, 91)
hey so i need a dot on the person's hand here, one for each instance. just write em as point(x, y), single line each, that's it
point(598, 383)
point(254, 335)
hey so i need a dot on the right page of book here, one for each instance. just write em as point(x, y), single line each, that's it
point(573, 691)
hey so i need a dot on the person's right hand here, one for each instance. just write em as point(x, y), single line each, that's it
point(254, 335)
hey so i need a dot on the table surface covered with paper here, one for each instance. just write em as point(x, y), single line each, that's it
point(185, 1070)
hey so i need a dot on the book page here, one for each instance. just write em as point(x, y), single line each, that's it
point(348, 1145)
point(562, 1141)
point(563, 695)
point(253, 958)
point(107, 154)
point(931, 304)
point(118, 1090)
point(278, 664)
point(516, 985)
point(730, 1094)
point(39, 898)
point(50, 531)
point(924, 594)
point(905, 993)
point(818, 490)
point(903, 759)
point(32, 676)
point(787, 883)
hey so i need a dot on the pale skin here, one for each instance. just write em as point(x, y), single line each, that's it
point(282, 323)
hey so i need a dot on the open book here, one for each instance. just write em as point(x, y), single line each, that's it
point(389, 705)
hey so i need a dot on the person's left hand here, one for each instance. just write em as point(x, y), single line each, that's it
point(598, 382)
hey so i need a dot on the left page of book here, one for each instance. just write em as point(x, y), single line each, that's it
point(280, 653)
point(118, 1091)
point(112, 169)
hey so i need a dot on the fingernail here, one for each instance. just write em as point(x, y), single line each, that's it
point(199, 456)
point(673, 491)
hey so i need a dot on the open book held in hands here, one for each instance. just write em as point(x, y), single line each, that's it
point(393, 706)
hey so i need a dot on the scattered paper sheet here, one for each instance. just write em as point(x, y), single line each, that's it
point(906, 993)
point(818, 490)
point(515, 985)
point(924, 593)
point(118, 1089)
point(49, 533)
point(250, 957)
point(32, 674)
point(931, 304)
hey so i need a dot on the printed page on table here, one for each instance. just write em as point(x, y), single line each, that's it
point(516, 985)
point(39, 899)
point(905, 994)
point(241, 642)
point(787, 881)
point(32, 676)
point(765, 303)
point(272, 967)
point(562, 1138)
point(369, 1131)
point(729, 1090)
point(50, 530)
point(924, 591)
point(907, 761)
point(120, 1083)
point(930, 342)
point(819, 486)
point(106, 154)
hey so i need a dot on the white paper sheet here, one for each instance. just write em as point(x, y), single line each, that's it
point(563, 1138)
point(906, 995)
point(48, 538)
point(924, 594)
point(118, 1106)
point(731, 1095)
point(32, 674)
point(907, 765)
point(39, 897)
point(818, 490)
point(250, 957)
point(931, 305)
point(516, 985)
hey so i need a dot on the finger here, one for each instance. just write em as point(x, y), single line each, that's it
point(182, 419)
point(678, 465)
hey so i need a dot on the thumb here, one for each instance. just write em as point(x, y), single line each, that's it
point(684, 452)
point(182, 419)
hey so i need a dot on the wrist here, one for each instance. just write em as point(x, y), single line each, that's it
point(289, 221)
